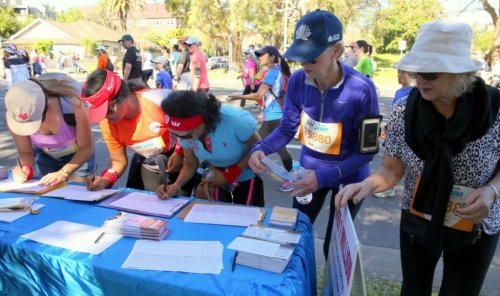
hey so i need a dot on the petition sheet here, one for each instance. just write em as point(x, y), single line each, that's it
point(73, 236)
point(223, 215)
point(186, 256)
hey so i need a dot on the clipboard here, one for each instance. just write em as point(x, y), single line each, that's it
point(28, 187)
point(80, 193)
point(180, 201)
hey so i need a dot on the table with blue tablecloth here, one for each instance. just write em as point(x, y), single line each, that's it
point(31, 268)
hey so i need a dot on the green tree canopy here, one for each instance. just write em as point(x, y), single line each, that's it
point(401, 21)
point(120, 9)
point(71, 15)
point(8, 23)
point(43, 46)
point(221, 23)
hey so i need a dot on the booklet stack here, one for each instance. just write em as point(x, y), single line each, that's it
point(136, 226)
point(283, 217)
point(265, 248)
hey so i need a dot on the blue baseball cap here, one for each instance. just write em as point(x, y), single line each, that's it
point(314, 32)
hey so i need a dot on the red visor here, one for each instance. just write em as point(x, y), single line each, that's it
point(98, 102)
point(184, 124)
point(108, 91)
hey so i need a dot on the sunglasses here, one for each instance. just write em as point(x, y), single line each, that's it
point(426, 76)
point(112, 106)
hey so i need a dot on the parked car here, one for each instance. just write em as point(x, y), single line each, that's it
point(217, 62)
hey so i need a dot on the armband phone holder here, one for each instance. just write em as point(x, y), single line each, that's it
point(368, 133)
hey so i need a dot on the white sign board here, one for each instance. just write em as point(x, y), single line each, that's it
point(402, 45)
point(343, 269)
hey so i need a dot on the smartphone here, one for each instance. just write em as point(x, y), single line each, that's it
point(368, 135)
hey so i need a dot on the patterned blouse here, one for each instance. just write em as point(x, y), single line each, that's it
point(474, 167)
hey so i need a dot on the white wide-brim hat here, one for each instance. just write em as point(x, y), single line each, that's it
point(441, 47)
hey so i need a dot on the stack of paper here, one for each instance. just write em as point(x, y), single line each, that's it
point(137, 226)
point(265, 248)
point(283, 217)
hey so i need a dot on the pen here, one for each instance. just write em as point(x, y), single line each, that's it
point(165, 182)
point(234, 261)
point(99, 237)
point(19, 162)
point(93, 173)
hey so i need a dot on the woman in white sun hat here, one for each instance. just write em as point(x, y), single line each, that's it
point(443, 138)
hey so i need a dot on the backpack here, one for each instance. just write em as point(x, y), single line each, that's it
point(110, 66)
point(284, 87)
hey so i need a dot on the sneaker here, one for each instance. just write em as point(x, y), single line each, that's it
point(390, 193)
point(286, 187)
point(379, 194)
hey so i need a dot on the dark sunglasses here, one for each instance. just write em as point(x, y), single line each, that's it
point(426, 76)
point(112, 106)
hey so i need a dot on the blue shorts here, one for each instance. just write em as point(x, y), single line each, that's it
point(47, 164)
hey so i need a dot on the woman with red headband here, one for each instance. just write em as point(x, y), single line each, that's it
point(219, 135)
point(131, 120)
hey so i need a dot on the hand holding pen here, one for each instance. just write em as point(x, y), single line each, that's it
point(20, 173)
point(95, 183)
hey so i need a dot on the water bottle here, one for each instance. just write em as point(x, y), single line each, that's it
point(299, 172)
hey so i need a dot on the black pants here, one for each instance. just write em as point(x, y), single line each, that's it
point(247, 91)
point(313, 208)
point(464, 269)
point(268, 127)
point(146, 75)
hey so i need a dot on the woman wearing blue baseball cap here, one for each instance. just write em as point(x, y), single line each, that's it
point(327, 102)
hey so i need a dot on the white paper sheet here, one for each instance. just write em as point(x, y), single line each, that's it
point(277, 169)
point(32, 185)
point(254, 246)
point(81, 193)
point(149, 203)
point(186, 256)
point(74, 237)
point(223, 215)
point(13, 216)
point(274, 235)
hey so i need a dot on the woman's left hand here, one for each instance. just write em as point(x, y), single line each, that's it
point(54, 178)
point(306, 185)
point(477, 205)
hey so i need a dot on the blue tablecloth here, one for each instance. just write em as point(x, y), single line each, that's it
point(31, 268)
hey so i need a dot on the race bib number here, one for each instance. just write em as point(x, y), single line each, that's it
point(457, 198)
point(319, 136)
point(59, 152)
point(149, 148)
